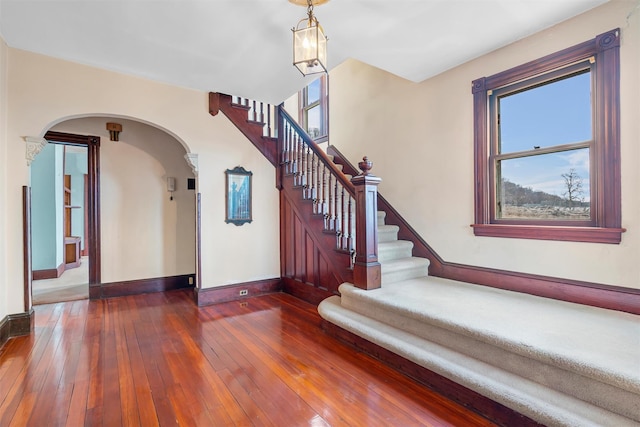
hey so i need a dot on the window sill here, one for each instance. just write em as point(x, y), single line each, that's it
point(550, 232)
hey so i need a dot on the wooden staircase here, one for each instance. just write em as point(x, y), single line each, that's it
point(328, 220)
point(322, 216)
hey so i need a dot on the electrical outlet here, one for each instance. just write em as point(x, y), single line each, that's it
point(244, 292)
point(190, 280)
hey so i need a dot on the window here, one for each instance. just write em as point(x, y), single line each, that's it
point(547, 150)
point(313, 113)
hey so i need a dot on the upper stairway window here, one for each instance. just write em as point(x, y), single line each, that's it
point(313, 111)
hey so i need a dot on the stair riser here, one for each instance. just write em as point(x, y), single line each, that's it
point(394, 253)
point(621, 401)
point(404, 274)
point(387, 236)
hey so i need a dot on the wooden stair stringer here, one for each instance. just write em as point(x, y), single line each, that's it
point(254, 131)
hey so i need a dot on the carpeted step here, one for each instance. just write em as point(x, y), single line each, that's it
point(389, 251)
point(555, 362)
point(381, 217)
point(401, 269)
point(387, 233)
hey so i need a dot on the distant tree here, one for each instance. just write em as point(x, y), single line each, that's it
point(573, 185)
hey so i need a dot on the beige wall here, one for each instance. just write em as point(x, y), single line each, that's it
point(4, 278)
point(44, 91)
point(420, 138)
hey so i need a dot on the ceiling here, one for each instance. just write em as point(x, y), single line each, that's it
point(243, 47)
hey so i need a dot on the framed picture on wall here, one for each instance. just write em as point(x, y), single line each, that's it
point(238, 196)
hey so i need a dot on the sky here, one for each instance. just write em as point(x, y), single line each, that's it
point(553, 114)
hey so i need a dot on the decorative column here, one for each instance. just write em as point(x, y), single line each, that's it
point(366, 270)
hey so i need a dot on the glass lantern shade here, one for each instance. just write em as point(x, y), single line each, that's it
point(310, 48)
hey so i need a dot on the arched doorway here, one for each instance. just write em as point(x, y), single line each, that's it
point(150, 230)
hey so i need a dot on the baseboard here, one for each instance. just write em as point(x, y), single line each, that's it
point(218, 294)
point(468, 398)
point(141, 286)
point(593, 294)
point(15, 325)
point(51, 273)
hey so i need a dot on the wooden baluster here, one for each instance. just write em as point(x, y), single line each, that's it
point(335, 204)
point(301, 166)
point(307, 171)
point(300, 157)
point(296, 146)
point(350, 226)
point(294, 153)
point(317, 188)
point(285, 149)
point(314, 183)
point(301, 170)
point(307, 175)
point(327, 215)
point(280, 144)
point(276, 123)
point(366, 270)
point(261, 112)
point(337, 224)
point(343, 219)
point(289, 149)
point(269, 134)
point(323, 191)
point(310, 157)
point(253, 110)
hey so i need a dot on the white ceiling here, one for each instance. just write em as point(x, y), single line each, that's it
point(243, 47)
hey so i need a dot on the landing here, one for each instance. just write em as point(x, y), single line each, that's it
point(591, 340)
point(558, 363)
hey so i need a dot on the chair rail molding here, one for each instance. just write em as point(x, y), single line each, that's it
point(35, 144)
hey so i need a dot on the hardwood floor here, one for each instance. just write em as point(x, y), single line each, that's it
point(157, 359)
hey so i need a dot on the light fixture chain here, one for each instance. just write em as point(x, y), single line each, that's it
point(310, 10)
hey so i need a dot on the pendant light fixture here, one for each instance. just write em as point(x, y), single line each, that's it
point(309, 41)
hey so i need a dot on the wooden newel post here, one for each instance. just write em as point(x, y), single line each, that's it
point(366, 270)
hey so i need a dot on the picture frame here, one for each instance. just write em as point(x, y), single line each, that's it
point(238, 196)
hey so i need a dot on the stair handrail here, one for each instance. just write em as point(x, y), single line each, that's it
point(346, 183)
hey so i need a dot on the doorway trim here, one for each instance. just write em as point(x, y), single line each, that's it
point(92, 143)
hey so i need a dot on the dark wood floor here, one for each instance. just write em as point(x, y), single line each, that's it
point(156, 359)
